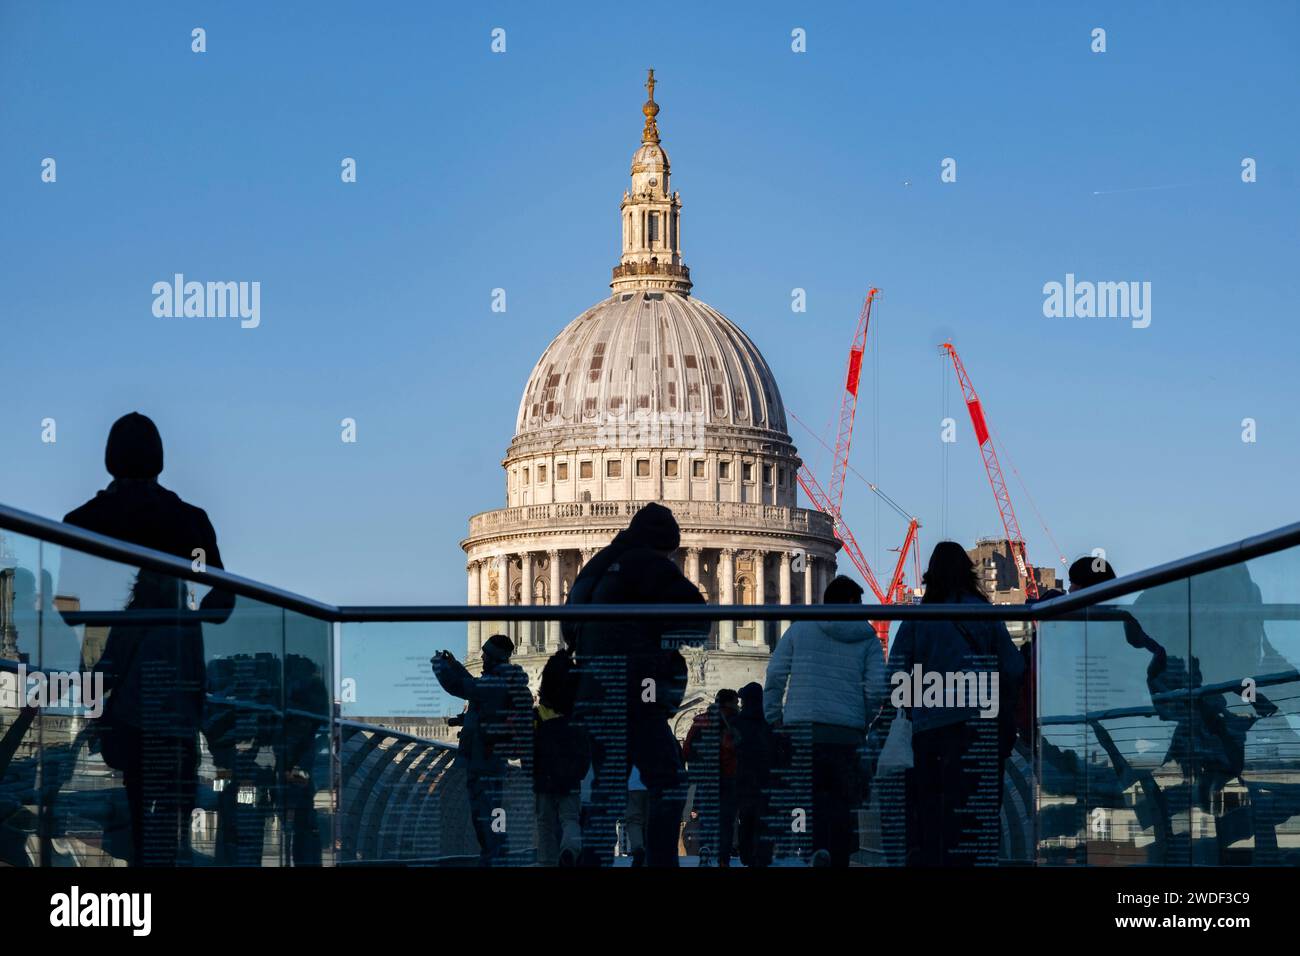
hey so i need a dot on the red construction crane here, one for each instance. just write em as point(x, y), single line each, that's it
point(896, 593)
point(1015, 540)
point(830, 503)
point(849, 403)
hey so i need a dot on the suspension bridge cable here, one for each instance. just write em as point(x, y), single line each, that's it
point(863, 478)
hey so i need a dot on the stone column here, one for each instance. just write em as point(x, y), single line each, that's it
point(525, 629)
point(786, 588)
point(503, 579)
point(475, 629)
point(526, 577)
point(503, 596)
point(727, 594)
point(809, 591)
point(553, 627)
point(760, 592)
point(693, 565)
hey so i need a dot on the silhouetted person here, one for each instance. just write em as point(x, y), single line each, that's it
point(561, 759)
point(691, 834)
point(242, 730)
point(1086, 572)
point(1214, 635)
point(1083, 573)
point(755, 757)
point(304, 741)
point(710, 752)
point(155, 670)
point(1061, 770)
point(954, 789)
point(490, 735)
point(631, 681)
point(830, 677)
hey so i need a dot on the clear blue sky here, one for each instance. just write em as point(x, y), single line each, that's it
point(479, 171)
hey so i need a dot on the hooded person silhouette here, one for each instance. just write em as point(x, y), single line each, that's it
point(632, 678)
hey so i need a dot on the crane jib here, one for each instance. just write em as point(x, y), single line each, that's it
point(855, 372)
point(977, 420)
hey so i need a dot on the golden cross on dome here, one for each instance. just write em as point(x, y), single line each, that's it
point(651, 109)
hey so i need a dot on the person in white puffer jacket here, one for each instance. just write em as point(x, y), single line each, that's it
point(828, 679)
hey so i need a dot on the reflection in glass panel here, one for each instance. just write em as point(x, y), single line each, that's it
point(1242, 752)
point(176, 726)
point(1111, 781)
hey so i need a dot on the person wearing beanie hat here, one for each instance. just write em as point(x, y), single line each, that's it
point(135, 508)
point(154, 729)
point(134, 449)
point(496, 727)
point(617, 661)
point(499, 647)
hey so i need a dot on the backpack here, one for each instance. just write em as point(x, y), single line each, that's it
point(509, 734)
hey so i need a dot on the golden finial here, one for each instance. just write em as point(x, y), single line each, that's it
point(651, 109)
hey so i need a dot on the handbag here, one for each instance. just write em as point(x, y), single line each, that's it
point(896, 754)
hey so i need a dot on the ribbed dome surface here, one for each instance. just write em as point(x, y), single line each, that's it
point(650, 352)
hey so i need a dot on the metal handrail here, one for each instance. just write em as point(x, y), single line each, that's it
point(1065, 606)
point(1170, 696)
point(112, 549)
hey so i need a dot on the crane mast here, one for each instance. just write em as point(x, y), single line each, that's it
point(849, 403)
point(829, 502)
point(1015, 540)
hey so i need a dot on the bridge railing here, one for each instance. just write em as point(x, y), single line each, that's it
point(1164, 714)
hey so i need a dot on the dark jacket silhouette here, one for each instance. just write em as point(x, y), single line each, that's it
point(493, 731)
point(616, 658)
point(168, 659)
point(755, 743)
point(710, 744)
point(632, 678)
point(561, 750)
point(755, 757)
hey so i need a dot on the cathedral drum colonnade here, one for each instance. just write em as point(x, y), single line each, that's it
point(651, 395)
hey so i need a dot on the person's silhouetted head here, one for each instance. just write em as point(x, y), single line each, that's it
point(727, 700)
point(654, 527)
point(949, 575)
point(842, 590)
point(497, 650)
point(751, 698)
point(134, 449)
point(1088, 571)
